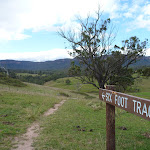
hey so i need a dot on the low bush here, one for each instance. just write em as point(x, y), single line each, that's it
point(10, 81)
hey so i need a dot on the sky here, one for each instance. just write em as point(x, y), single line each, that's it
point(28, 28)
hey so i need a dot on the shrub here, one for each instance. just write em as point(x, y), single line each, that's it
point(10, 81)
point(68, 81)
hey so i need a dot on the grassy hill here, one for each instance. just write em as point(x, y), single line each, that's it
point(10, 81)
point(74, 84)
point(88, 113)
point(143, 85)
point(20, 106)
point(79, 124)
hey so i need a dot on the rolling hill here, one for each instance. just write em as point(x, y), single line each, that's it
point(28, 65)
point(59, 64)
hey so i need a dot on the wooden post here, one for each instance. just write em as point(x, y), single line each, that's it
point(110, 123)
point(135, 105)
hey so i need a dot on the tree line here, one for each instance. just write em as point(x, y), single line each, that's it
point(37, 77)
point(40, 77)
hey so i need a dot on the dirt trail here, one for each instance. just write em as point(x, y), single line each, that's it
point(26, 140)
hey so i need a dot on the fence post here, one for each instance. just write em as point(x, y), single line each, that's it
point(110, 123)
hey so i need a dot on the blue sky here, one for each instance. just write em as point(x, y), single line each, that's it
point(28, 28)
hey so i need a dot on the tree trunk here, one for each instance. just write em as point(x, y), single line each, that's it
point(101, 85)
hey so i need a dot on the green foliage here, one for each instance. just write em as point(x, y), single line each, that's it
point(40, 77)
point(4, 79)
point(98, 61)
point(74, 70)
point(32, 79)
point(139, 71)
point(68, 81)
point(146, 72)
point(123, 79)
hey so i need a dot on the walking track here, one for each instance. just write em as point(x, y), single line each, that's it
point(26, 140)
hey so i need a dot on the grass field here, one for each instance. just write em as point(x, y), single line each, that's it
point(26, 74)
point(144, 88)
point(80, 124)
point(19, 107)
point(75, 85)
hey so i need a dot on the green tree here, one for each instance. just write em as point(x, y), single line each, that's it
point(68, 81)
point(100, 62)
point(146, 72)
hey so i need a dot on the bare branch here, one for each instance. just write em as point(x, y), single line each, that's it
point(93, 46)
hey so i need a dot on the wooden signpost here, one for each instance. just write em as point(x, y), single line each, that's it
point(132, 104)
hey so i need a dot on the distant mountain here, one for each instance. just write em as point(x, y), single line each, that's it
point(29, 65)
point(59, 64)
point(144, 61)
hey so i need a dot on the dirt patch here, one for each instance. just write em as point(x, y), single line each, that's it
point(25, 141)
point(146, 135)
point(78, 128)
point(52, 110)
point(122, 128)
point(8, 123)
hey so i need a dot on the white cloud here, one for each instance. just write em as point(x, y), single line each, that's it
point(37, 56)
point(16, 16)
point(139, 11)
point(128, 15)
point(140, 21)
point(42, 55)
point(148, 52)
point(146, 9)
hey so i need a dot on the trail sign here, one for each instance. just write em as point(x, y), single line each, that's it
point(132, 104)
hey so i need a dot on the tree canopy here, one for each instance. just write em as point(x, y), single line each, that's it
point(101, 62)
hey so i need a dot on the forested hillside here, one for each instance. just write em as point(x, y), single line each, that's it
point(60, 64)
point(28, 65)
